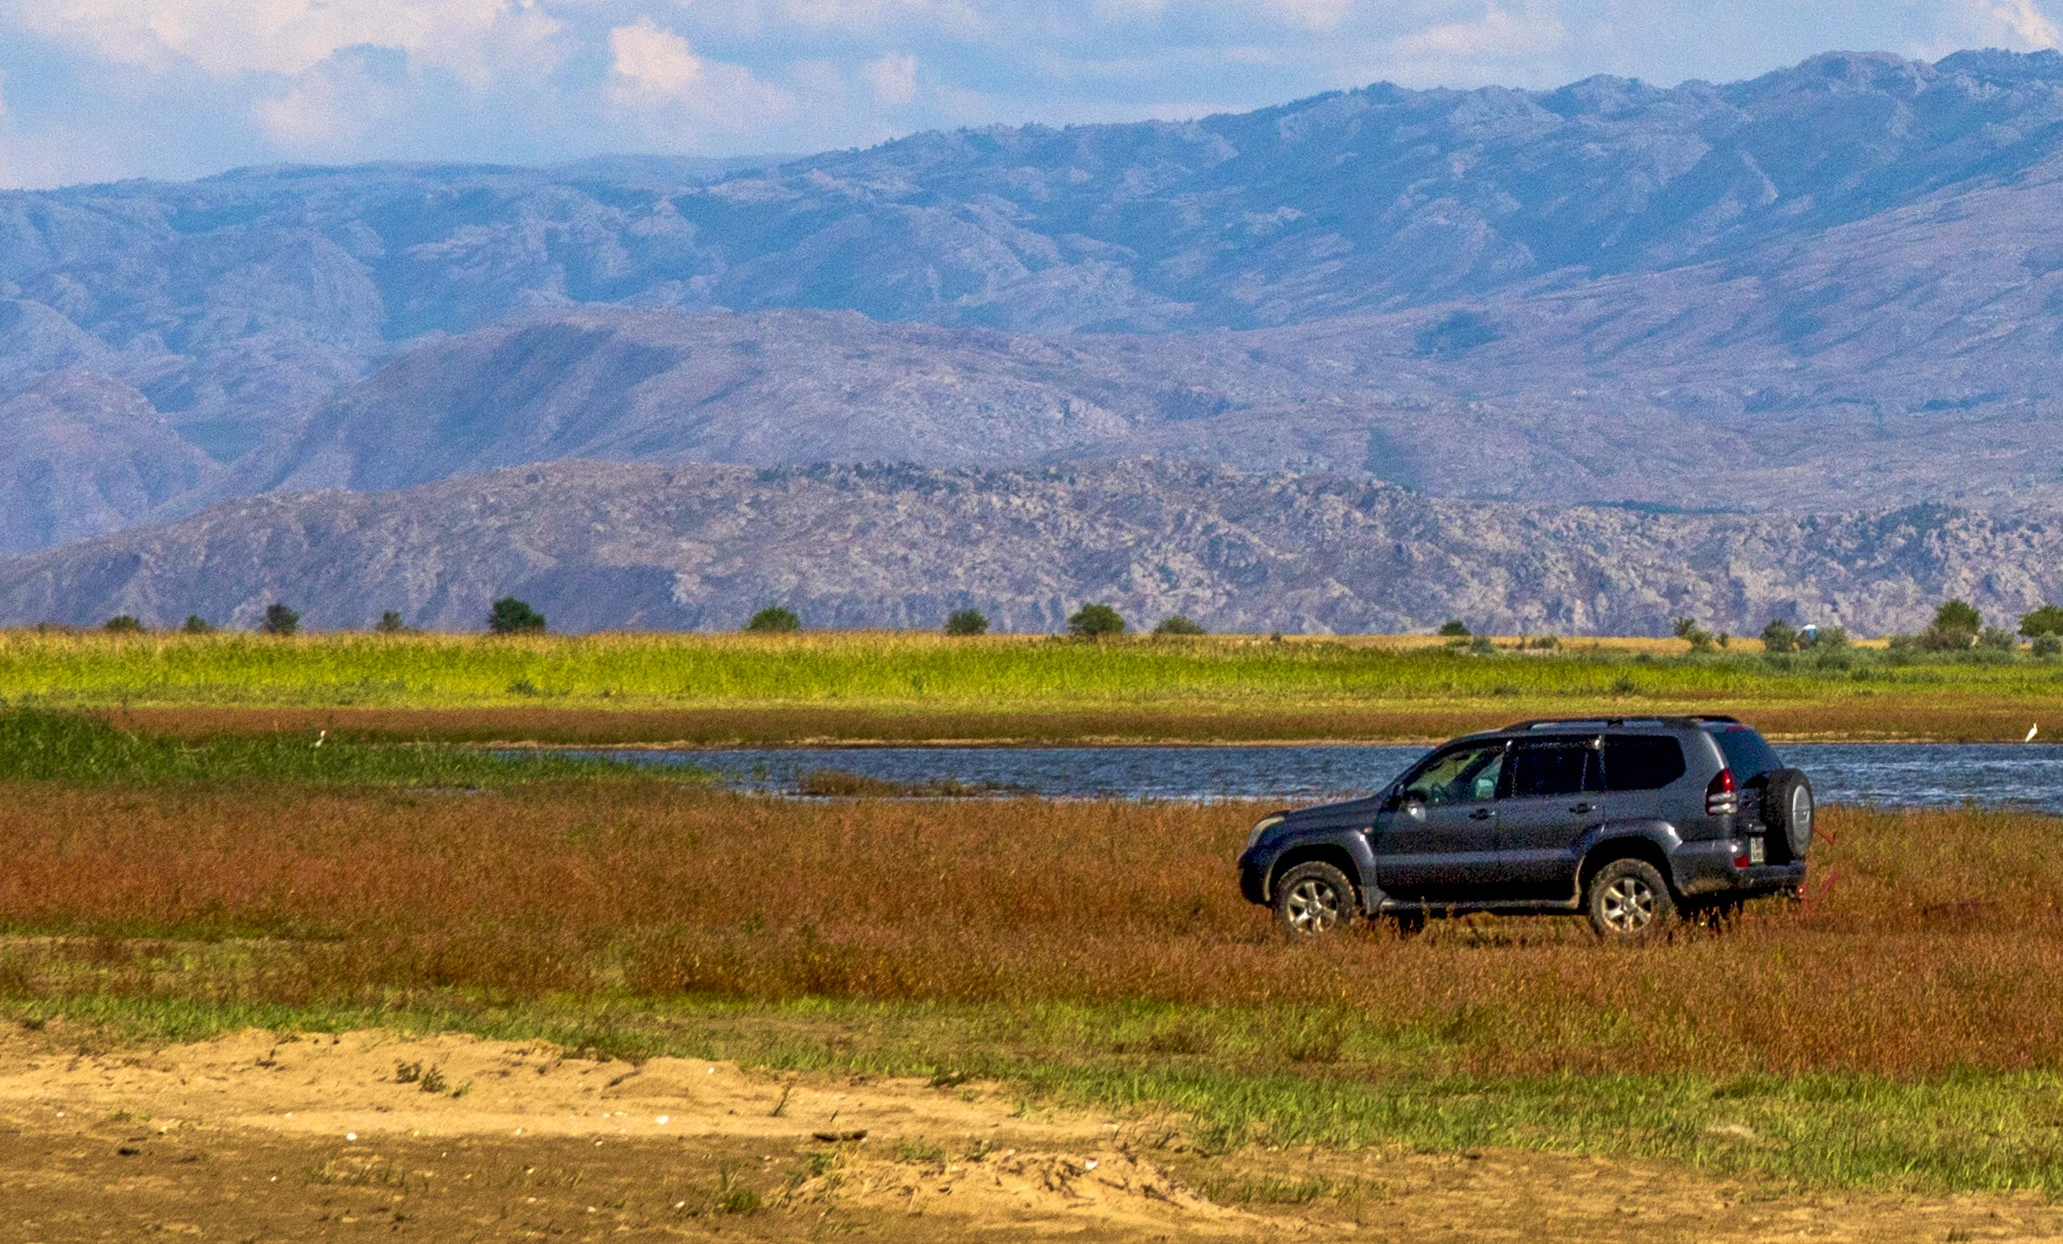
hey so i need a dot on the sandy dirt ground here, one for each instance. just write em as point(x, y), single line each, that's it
point(257, 1137)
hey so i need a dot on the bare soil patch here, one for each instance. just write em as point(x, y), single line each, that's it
point(258, 1136)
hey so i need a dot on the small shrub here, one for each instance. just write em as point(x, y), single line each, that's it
point(774, 619)
point(1828, 638)
point(1686, 629)
point(966, 622)
point(509, 616)
point(1939, 638)
point(1779, 636)
point(1480, 645)
point(1454, 628)
point(390, 623)
point(1095, 622)
point(280, 620)
point(1543, 643)
point(123, 624)
point(2047, 644)
point(1178, 624)
point(2047, 620)
point(1997, 638)
point(195, 624)
point(1958, 615)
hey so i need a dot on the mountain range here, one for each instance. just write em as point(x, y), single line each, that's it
point(1833, 289)
point(597, 545)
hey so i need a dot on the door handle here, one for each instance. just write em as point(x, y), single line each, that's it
point(1581, 808)
point(1480, 814)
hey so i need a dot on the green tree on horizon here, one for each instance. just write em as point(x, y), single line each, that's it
point(509, 616)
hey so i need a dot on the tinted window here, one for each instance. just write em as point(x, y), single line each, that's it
point(1463, 775)
point(1542, 769)
point(1642, 761)
point(1746, 754)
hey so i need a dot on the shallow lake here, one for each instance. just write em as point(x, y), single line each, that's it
point(1890, 774)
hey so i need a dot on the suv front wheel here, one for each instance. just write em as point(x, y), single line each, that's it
point(1628, 902)
point(1312, 899)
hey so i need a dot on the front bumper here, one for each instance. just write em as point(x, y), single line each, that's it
point(1253, 877)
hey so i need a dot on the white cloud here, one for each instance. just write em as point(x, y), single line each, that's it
point(658, 82)
point(229, 37)
point(1496, 35)
point(1312, 14)
point(329, 111)
point(652, 61)
point(893, 78)
point(2024, 20)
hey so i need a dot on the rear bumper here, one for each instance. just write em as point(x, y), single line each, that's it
point(1713, 867)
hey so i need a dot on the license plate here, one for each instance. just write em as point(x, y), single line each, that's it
point(1756, 851)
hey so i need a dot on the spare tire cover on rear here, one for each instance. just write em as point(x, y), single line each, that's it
point(1787, 809)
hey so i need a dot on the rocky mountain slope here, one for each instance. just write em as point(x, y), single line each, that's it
point(1834, 286)
point(81, 454)
point(600, 545)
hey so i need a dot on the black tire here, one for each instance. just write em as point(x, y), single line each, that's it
point(1312, 900)
point(1787, 811)
point(1628, 902)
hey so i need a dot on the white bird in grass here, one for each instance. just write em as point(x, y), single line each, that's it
point(325, 734)
point(2031, 731)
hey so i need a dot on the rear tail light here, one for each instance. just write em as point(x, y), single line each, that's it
point(1720, 796)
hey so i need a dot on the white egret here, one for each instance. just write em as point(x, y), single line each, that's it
point(2031, 731)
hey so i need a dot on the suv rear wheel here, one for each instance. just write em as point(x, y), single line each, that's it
point(1628, 902)
point(1312, 899)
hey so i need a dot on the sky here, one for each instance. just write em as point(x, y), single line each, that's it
point(94, 90)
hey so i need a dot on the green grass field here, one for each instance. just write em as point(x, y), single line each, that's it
point(842, 685)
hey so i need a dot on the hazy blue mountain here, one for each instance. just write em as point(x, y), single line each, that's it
point(600, 545)
point(1683, 431)
point(1835, 286)
point(81, 454)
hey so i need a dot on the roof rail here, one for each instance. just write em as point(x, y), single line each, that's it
point(1552, 723)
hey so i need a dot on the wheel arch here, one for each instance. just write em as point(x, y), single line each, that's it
point(1331, 853)
point(1626, 847)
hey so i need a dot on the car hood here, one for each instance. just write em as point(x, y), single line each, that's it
point(1353, 814)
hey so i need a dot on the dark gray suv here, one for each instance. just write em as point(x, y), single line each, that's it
point(1629, 820)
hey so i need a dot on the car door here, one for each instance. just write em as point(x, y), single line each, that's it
point(1436, 839)
point(1552, 798)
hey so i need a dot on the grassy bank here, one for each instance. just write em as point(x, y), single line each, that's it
point(81, 750)
point(696, 688)
point(1902, 1031)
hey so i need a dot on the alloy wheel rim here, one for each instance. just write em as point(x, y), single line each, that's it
point(1313, 906)
point(1628, 904)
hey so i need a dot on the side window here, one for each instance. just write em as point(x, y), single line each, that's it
point(1543, 769)
point(1463, 775)
point(1642, 761)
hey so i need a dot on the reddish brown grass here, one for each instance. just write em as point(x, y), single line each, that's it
point(1936, 946)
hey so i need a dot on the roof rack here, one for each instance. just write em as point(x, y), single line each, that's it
point(1601, 723)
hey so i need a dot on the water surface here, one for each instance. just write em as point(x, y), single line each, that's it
point(1885, 774)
